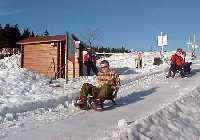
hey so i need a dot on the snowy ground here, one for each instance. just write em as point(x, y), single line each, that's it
point(30, 105)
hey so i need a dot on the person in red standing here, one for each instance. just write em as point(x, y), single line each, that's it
point(177, 63)
point(90, 62)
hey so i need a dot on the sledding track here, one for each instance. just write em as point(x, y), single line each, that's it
point(139, 99)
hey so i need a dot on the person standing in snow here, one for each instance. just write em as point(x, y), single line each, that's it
point(187, 63)
point(140, 56)
point(90, 61)
point(138, 59)
point(177, 63)
point(108, 84)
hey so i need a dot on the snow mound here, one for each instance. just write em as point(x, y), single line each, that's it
point(122, 123)
point(10, 62)
point(179, 120)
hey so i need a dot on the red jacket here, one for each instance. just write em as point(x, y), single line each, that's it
point(86, 59)
point(177, 59)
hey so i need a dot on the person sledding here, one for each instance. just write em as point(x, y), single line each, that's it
point(177, 63)
point(108, 84)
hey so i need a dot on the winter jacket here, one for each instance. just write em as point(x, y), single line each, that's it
point(89, 59)
point(111, 78)
point(178, 60)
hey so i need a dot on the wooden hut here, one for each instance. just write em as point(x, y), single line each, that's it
point(55, 56)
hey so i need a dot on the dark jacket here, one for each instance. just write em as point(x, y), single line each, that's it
point(89, 59)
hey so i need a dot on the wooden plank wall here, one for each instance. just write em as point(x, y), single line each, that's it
point(70, 69)
point(41, 58)
point(77, 63)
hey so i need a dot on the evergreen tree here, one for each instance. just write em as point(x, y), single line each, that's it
point(9, 35)
point(46, 33)
point(110, 50)
point(7, 26)
point(26, 33)
point(32, 34)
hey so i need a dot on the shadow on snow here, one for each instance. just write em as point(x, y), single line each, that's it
point(132, 98)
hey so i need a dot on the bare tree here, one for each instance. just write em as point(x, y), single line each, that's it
point(91, 37)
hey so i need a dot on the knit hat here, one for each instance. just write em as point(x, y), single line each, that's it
point(179, 50)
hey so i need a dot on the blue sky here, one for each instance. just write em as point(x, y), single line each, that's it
point(131, 23)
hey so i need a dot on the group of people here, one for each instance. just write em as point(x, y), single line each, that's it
point(178, 63)
point(108, 81)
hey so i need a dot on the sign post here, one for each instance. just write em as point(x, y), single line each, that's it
point(193, 45)
point(162, 41)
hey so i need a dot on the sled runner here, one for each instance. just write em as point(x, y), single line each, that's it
point(97, 104)
point(100, 106)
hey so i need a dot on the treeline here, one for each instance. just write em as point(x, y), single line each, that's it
point(110, 50)
point(10, 34)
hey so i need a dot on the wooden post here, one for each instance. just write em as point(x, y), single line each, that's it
point(61, 66)
point(22, 56)
point(66, 58)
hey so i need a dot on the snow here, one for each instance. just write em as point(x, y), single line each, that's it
point(122, 123)
point(178, 120)
point(31, 104)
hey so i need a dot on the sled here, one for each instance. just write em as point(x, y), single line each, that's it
point(101, 107)
point(186, 71)
point(96, 105)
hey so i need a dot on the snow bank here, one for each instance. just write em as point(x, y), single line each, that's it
point(121, 60)
point(22, 90)
point(125, 62)
point(10, 62)
point(179, 120)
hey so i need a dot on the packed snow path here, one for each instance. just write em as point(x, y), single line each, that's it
point(140, 99)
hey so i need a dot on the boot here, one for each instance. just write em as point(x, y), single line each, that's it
point(113, 101)
point(82, 103)
point(182, 74)
point(173, 75)
point(169, 74)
